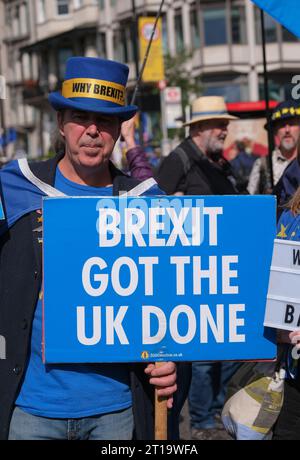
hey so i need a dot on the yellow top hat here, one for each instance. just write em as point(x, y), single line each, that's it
point(209, 108)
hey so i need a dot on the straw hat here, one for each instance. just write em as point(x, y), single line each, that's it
point(209, 108)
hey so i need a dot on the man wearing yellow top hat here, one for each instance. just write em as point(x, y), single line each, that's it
point(197, 166)
point(73, 401)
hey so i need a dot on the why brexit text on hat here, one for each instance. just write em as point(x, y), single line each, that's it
point(93, 88)
point(157, 278)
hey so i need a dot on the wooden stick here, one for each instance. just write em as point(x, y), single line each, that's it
point(161, 410)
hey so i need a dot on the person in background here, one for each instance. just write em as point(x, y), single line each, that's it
point(288, 423)
point(285, 123)
point(138, 164)
point(197, 167)
point(243, 162)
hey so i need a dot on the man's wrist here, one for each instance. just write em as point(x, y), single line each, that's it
point(130, 144)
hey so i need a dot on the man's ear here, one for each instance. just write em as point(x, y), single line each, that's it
point(60, 122)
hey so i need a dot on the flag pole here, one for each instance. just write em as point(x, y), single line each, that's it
point(266, 91)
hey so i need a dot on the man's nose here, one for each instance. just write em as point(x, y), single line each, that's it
point(92, 129)
point(225, 129)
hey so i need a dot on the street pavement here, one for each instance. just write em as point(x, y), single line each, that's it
point(185, 428)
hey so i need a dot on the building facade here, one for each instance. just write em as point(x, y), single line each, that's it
point(221, 37)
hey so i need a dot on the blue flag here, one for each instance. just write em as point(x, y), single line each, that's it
point(286, 12)
point(19, 195)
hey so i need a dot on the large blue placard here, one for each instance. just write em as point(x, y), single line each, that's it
point(157, 278)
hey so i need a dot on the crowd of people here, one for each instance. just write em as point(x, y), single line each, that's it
point(42, 401)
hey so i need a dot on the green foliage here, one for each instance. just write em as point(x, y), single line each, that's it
point(178, 75)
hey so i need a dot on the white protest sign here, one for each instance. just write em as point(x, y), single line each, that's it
point(283, 300)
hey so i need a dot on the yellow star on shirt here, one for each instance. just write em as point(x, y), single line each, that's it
point(282, 233)
point(40, 219)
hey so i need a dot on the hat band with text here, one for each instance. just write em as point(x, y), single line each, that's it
point(95, 89)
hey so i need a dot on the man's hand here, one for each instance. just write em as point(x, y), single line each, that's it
point(295, 338)
point(289, 337)
point(127, 132)
point(164, 378)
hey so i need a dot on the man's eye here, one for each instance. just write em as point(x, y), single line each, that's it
point(79, 116)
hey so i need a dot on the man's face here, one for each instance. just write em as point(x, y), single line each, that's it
point(287, 133)
point(213, 134)
point(90, 137)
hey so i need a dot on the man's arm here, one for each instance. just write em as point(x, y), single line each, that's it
point(138, 164)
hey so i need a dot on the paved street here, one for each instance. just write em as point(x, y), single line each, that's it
point(185, 429)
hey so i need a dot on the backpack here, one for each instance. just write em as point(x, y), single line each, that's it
point(186, 162)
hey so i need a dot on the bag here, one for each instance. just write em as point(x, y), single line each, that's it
point(254, 400)
point(186, 162)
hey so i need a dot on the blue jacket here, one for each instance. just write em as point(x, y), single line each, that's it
point(288, 183)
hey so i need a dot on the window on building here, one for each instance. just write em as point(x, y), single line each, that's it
point(215, 32)
point(280, 87)
point(117, 46)
point(194, 26)
point(101, 4)
point(62, 7)
point(178, 31)
point(63, 55)
point(287, 36)
point(16, 21)
point(276, 92)
point(8, 15)
point(24, 26)
point(165, 41)
point(232, 92)
point(78, 4)
point(270, 28)
point(44, 69)
point(41, 11)
point(238, 25)
point(126, 45)
point(101, 44)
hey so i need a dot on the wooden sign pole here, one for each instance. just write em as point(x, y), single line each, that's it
point(161, 411)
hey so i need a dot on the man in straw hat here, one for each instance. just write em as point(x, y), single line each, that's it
point(196, 166)
point(73, 401)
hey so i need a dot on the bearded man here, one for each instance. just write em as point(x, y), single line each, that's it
point(285, 125)
point(197, 165)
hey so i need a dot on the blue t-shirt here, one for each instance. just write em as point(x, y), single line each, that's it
point(71, 390)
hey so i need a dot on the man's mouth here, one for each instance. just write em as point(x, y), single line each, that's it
point(92, 146)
